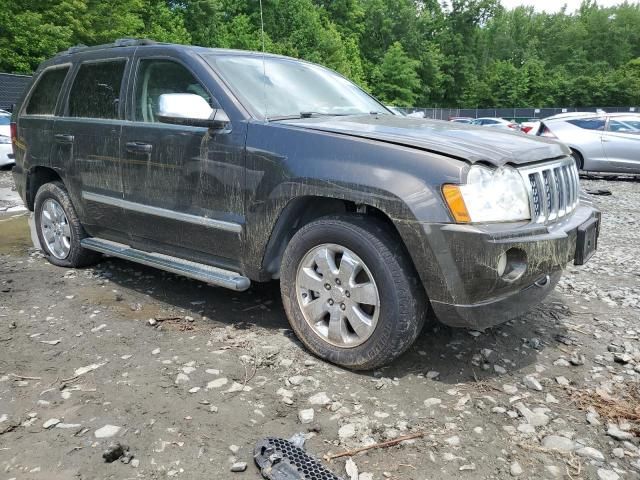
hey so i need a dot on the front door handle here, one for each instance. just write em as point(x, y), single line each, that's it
point(63, 138)
point(139, 147)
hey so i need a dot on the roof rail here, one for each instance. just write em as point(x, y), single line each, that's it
point(121, 42)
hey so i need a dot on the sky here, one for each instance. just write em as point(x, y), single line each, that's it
point(551, 6)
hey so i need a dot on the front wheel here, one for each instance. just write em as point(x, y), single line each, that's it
point(350, 291)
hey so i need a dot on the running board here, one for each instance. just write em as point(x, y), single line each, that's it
point(179, 266)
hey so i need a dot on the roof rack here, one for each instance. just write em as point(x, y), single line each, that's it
point(121, 42)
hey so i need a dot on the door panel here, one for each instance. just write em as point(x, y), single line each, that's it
point(183, 185)
point(91, 160)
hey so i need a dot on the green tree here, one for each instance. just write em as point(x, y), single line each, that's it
point(398, 81)
point(28, 35)
point(470, 53)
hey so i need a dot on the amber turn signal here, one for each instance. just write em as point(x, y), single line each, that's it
point(453, 197)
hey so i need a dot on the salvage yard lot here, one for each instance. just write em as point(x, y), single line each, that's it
point(190, 377)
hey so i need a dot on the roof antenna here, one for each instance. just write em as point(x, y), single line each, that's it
point(264, 65)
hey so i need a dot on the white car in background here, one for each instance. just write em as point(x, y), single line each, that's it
point(532, 127)
point(495, 122)
point(599, 142)
point(6, 150)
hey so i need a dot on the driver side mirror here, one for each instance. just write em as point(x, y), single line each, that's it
point(190, 109)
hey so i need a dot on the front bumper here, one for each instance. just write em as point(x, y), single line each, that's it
point(473, 293)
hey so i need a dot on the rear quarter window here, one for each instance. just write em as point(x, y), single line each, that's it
point(45, 95)
point(96, 90)
point(588, 123)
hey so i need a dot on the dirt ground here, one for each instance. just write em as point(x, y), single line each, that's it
point(551, 395)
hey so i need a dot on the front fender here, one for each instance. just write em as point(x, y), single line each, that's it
point(285, 165)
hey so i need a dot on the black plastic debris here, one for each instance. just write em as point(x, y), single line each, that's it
point(115, 451)
point(599, 191)
point(279, 459)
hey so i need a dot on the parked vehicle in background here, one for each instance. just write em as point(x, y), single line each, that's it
point(533, 126)
point(395, 110)
point(559, 116)
point(599, 142)
point(234, 167)
point(495, 122)
point(466, 120)
point(6, 152)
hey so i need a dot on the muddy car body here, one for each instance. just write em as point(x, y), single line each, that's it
point(360, 214)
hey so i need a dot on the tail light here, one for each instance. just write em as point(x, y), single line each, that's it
point(14, 131)
point(514, 126)
point(527, 129)
point(545, 132)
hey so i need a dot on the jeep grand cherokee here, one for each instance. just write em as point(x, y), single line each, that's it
point(234, 167)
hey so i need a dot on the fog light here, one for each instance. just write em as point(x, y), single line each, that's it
point(512, 264)
point(502, 264)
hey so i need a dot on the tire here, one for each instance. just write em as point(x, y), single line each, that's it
point(401, 311)
point(70, 254)
point(577, 157)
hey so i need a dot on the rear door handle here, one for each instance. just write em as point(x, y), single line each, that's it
point(63, 138)
point(139, 147)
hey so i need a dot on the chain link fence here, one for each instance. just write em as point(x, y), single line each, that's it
point(514, 114)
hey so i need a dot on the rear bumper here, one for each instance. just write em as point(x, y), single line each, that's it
point(477, 296)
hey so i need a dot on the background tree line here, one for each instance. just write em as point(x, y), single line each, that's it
point(456, 53)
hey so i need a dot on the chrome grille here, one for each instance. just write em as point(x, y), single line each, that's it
point(553, 189)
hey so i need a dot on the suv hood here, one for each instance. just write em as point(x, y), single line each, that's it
point(465, 142)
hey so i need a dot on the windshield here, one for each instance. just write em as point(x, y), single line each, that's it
point(5, 119)
point(283, 87)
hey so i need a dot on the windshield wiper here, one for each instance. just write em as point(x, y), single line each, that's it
point(310, 115)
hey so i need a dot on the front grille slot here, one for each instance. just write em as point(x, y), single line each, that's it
point(553, 189)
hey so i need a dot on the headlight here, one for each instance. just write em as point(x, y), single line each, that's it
point(4, 139)
point(490, 195)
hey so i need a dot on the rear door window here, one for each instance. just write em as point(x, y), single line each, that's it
point(588, 123)
point(96, 90)
point(45, 96)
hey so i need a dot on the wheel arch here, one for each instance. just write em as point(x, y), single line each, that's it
point(302, 210)
point(38, 176)
point(577, 150)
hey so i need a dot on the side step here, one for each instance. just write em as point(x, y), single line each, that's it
point(198, 271)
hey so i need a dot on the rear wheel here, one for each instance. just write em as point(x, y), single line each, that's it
point(59, 229)
point(350, 292)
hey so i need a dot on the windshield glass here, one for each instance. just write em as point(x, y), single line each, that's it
point(283, 87)
point(5, 119)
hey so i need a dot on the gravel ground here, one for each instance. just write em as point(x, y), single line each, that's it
point(551, 395)
point(9, 199)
